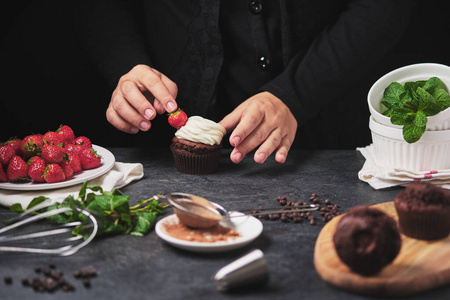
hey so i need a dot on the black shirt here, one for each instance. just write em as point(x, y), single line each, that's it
point(327, 47)
point(251, 43)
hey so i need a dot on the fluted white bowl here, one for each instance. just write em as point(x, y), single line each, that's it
point(430, 153)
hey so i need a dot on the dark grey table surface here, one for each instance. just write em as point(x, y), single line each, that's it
point(132, 267)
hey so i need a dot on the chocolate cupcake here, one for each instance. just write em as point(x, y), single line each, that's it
point(366, 240)
point(423, 211)
point(197, 145)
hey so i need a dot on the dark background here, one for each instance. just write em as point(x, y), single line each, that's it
point(47, 79)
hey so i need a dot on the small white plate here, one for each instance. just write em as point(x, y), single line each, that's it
point(249, 229)
point(108, 161)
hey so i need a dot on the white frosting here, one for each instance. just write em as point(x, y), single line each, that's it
point(200, 130)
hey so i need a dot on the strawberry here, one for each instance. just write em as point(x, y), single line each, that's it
point(3, 177)
point(66, 132)
point(31, 145)
point(90, 159)
point(67, 169)
point(17, 168)
point(52, 154)
point(16, 144)
point(6, 153)
point(73, 149)
point(75, 162)
point(36, 169)
point(53, 138)
point(83, 141)
point(54, 173)
point(178, 119)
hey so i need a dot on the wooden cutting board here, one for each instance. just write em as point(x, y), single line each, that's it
point(420, 265)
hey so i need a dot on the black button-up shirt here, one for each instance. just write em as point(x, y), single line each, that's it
point(305, 52)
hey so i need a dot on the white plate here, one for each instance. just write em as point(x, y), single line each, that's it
point(249, 229)
point(108, 161)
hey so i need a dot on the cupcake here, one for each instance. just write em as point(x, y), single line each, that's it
point(197, 145)
point(423, 211)
point(366, 240)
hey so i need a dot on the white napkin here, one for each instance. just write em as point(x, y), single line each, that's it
point(120, 175)
point(381, 177)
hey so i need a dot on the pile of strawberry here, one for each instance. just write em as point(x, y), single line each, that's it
point(52, 157)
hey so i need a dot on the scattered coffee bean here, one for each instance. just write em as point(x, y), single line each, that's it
point(326, 209)
point(51, 279)
point(87, 282)
point(25, 282)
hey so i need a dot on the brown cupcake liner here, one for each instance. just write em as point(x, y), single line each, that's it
point(424, 225)
point(196, 164)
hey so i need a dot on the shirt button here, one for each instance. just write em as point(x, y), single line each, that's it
point(264, 63)
point(255, 7)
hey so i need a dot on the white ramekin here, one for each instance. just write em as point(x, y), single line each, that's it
point(415, 72)
point(430, 153)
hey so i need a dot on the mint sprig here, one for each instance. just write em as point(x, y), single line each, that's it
point(110, 208)
point(410, 104)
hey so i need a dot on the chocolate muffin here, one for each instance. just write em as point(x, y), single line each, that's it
point(195, 158)
point(366, 240)
point(423, 211)
point(197, 145)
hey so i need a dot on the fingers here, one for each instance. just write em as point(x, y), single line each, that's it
point(263, 121)
point(130, 92)
point(131, 109)
point(162, 88)
point(132, 122)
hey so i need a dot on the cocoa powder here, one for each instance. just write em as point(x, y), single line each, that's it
point(212, 234)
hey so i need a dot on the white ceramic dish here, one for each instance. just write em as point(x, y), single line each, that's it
point(108, 161)
point(431, 152)
point(249, 229)
point(409, 73)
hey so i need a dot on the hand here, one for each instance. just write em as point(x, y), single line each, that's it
point(139, 95)
point(262, 120)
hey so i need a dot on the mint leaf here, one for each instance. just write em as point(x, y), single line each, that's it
point(442, 98)
point(401, 115)
point(427, 104)
point(111, 209)
point(394, 91)
point(415, 127)
point(36, 201)
point(17, 207)
point(410, 104)
point(432, 84)
point(144, 222)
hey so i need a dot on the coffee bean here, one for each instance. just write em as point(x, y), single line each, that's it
point(50, 284)
point(77, 274)
point(87, 282)
point(25, 282)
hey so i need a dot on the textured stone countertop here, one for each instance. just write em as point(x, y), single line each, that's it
point(131, 267)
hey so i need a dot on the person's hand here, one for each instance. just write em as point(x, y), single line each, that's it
point(139, 95)
point(262, 120)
